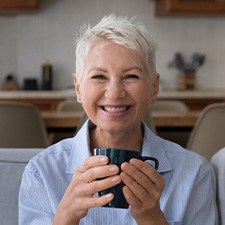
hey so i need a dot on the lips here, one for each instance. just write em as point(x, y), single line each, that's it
point(111, 109)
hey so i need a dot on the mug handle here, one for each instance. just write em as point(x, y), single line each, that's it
point(156, 161)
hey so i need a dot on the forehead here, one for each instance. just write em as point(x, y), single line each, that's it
point(105, 51)
point(102, 45)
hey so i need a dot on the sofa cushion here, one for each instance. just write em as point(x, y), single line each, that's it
point(12, 164)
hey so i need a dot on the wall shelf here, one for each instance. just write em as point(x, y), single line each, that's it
point(18, 5)
point(190, 7)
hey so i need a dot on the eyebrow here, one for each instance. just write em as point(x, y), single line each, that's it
point(124, 71)
point(98, 69)
point(133, 68)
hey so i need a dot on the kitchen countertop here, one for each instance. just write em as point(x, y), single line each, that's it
point(163, 94)
point(193, 94)
point(49, 100)
point(54, 94)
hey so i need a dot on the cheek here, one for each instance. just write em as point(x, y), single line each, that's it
point(90, 94)
point(143, 93)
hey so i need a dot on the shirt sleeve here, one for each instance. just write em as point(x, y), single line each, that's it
point(34, 204)
point(201, 207)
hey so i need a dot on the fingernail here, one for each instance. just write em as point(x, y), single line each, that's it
point(110, 195)
point(103, 159)
point(124, 165)
point(113, 168)
point(115, 179)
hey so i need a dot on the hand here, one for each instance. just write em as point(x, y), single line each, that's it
point(78, 197)
point(143, 189)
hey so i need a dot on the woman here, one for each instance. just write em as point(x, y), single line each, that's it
point(116, 82)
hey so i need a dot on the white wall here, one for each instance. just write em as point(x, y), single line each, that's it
point(26, 40)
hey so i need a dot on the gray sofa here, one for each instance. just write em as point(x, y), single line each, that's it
point(218, 161)
point(12, 164)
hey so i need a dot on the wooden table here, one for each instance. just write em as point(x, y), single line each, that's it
point(171, 119)
point(49, 100)
point(54, 119)
point(172, 126)
point(66, 120)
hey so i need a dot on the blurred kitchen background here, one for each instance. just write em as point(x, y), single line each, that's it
point(28, 39)
point(38, 105)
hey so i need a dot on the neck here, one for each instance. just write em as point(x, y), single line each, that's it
point(121, 140)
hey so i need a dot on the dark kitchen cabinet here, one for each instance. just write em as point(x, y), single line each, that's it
point(191, 7)
point(18, 5)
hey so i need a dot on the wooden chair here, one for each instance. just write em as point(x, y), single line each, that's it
point(172, 106)
point(21, 126)
point(73, 106)
point(208, 134)
point(69, 105)
point(169, 106)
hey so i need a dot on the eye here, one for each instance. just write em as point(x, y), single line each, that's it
point(132, 76)
point(98, 77)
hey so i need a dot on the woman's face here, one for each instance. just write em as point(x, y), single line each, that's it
point(115, 88)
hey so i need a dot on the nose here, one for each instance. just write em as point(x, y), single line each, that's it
point(115, 90)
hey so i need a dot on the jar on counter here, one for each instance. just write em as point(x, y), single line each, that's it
point(10, 83)
point(47, 75)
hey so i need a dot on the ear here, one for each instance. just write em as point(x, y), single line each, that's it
point(155, 88)
point(77, 87)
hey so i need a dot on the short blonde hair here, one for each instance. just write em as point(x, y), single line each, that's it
point(119, 30)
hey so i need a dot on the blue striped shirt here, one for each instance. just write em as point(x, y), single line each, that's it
point(187, 199)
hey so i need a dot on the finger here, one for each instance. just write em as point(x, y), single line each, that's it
point(96, 201)
point(131, 198)
point(99, 172)
point(137, 176)
point(89, 189)
point(92, 161)
point(138, 191)
point(138, 197)
point(149, 171)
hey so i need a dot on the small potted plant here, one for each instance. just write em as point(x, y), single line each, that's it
point(187, 70)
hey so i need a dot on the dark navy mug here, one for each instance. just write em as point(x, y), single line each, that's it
point(117, 157)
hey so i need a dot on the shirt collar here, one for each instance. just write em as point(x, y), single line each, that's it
point(81, 148)
point(152, 146)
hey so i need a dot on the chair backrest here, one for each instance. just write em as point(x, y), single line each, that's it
point(21, 126)
point(12, 164)
point(169, 106)
point(208, 134)
point(218, 162)
point(69, 105)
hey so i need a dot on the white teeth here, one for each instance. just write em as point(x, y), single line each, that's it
point(114, 110)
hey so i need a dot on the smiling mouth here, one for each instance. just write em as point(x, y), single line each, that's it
point(115, 109)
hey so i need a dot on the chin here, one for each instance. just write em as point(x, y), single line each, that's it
point(115, 128)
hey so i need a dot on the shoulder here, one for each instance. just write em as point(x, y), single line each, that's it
point(187, 164)
point(60, 149)
point(179, 158)
point(171, 150)
point(176, 152)
point(56, 155)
